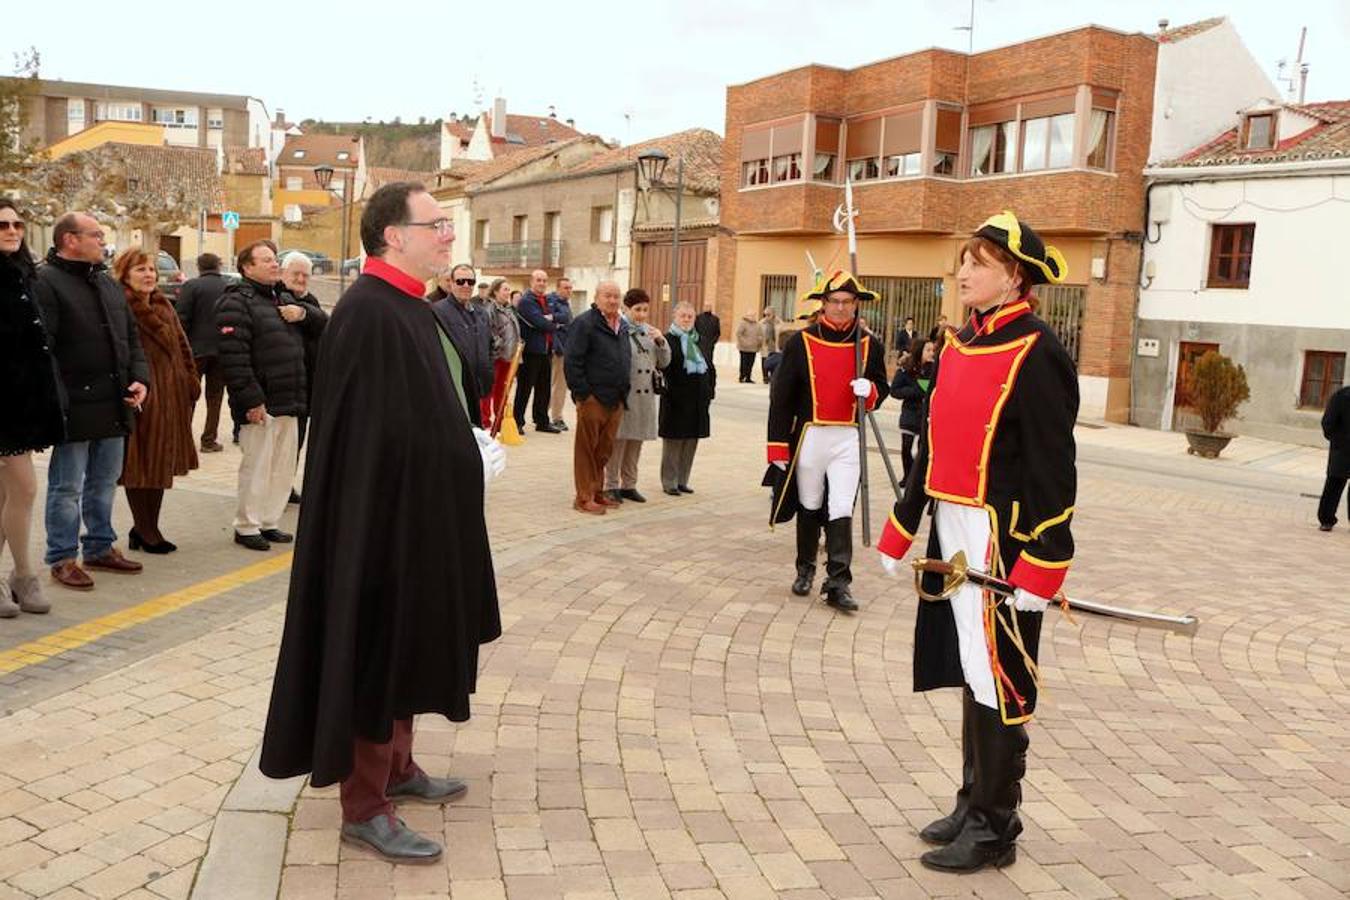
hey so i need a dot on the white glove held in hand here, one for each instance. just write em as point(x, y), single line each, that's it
point(891, 565)
point(862, 388)
point(492, 453)
point(1025, 601)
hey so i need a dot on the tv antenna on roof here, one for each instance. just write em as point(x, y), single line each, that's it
point(1295, 84)
point(477, 94)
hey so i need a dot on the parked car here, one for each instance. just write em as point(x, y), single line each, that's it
point(351, 266)
point(171, 277)
point(323, 264)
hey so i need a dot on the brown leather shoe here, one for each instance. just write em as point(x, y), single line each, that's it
point(69, 574)
point(606, 501)
point(113, 561)
point(588, 506)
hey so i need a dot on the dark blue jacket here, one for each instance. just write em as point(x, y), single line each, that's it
point(562, 315)
point(912, 395)
point(536, 331)
point(599, 360)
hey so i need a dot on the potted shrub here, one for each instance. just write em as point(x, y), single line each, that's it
point(1216, 388)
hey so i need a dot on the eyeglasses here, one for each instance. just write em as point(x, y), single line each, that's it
point(7, 224)
point(93, 234)
point(464, 282)
point(442, 227)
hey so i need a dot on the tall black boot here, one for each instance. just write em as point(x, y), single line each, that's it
point(808, 545)
point(838, 559)
point(989, 836)
point(945, 830)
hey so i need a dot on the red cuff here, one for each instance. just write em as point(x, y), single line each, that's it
point(778, 452)
point(1042, 578)
point(872, 397)
point(895, 540)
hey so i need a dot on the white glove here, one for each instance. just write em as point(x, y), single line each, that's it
point(1025, 601)
point(781, 464)
point(492, 453)
point(862, 388)
point(891, 565)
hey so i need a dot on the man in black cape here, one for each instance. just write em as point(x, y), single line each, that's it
point(392, 588)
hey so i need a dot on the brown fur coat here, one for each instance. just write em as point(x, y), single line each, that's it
point(162, 445)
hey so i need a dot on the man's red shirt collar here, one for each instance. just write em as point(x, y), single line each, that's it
point(397, 277)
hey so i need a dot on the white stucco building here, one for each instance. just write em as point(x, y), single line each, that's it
point(1244, 235)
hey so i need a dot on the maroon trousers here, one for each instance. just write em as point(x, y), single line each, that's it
point(375, 769)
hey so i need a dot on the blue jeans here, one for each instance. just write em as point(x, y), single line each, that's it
point(81, 480)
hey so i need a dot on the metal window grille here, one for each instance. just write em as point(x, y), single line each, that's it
point(780, 293)
point(900, 299)
point(1062, 308)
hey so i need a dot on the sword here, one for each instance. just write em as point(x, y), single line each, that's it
point(957, 573)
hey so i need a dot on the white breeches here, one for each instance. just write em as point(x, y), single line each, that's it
point(828, 453)
point(966, 528)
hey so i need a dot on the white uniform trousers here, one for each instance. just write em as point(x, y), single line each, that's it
point(966, 528)
point(265, 472)
point(828, 453)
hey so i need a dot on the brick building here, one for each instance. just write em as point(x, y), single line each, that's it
point(1058, 129)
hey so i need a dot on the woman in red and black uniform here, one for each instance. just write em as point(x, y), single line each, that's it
point(996, 455)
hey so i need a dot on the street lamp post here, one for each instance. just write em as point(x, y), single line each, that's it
point(324, 175)
point(652, 165)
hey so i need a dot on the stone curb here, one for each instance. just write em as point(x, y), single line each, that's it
point(248, 842)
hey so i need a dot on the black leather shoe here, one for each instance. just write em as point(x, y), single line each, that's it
point(801, 586)
point(136, 542)
point(674, 492)
point(389, 837)
point(294, 498)
point(841, 599)
point(632, 494)
point(948, 828)
point(684, 489)
point(422, 787)
point(548, 429)
point(559, 424)
point(252, 541)
point(615, 496)
point(969, 856)
point(277, 536)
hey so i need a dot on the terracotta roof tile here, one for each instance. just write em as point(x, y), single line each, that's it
point(191, 168)
point(529, 131)
point(700, 148)
point(320, 149)
point(496, 168)
point(379, 176)
point(1181, 32)
point(1328, 139)
point(245, 161)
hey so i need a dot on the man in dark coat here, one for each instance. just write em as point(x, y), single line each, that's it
point(196, 305)
point(597, 368)
point(379, 629)
point(262, 358)
point(538, 331)
point(470, 328)
point(1336, 429)
point(709, 329)
point(560, 305)
point(105, 380)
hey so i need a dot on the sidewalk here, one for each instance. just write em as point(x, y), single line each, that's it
point(661, 718)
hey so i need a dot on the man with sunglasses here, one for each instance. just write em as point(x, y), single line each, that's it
point(392, 588)
point(469, 327)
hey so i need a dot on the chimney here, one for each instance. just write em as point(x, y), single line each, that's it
point(499, 118)
point(572, 124)
point(1162, 26)
point(552, 111)
point(281, 117)
point(1302, 81)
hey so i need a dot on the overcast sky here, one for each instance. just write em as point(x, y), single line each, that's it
point(622, 70)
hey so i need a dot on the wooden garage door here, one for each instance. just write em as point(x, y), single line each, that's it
point(655, 277)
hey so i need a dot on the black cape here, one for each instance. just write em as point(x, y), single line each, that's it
point(392, 587)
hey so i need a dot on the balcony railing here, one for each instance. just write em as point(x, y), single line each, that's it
point(526, 254)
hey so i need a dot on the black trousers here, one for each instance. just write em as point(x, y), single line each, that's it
point(534, 376)
point(1331, 498)
point(906, 455)
point(747, 364)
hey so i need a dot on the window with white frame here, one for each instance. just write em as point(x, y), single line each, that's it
point(1047, 142)
point(115, 111)
point(215, 119)
point(298, 154)
point(1100, 137)
point(772, 153)
point(74, 115)
point(294, 183)
point(992, 148)
point(174, 116)
point(343, 156)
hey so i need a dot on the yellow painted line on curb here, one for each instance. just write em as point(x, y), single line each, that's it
point(47, 646)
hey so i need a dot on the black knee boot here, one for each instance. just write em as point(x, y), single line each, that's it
point(945, 830)
point(838, 559)
point(989, 835)
point(808, 545)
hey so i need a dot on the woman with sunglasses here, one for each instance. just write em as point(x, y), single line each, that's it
point(31, 416)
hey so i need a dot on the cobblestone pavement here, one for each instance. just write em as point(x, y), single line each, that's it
point(662, 718)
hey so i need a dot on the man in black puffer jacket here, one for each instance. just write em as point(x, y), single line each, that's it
point(262, 360)
point(104, 378)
